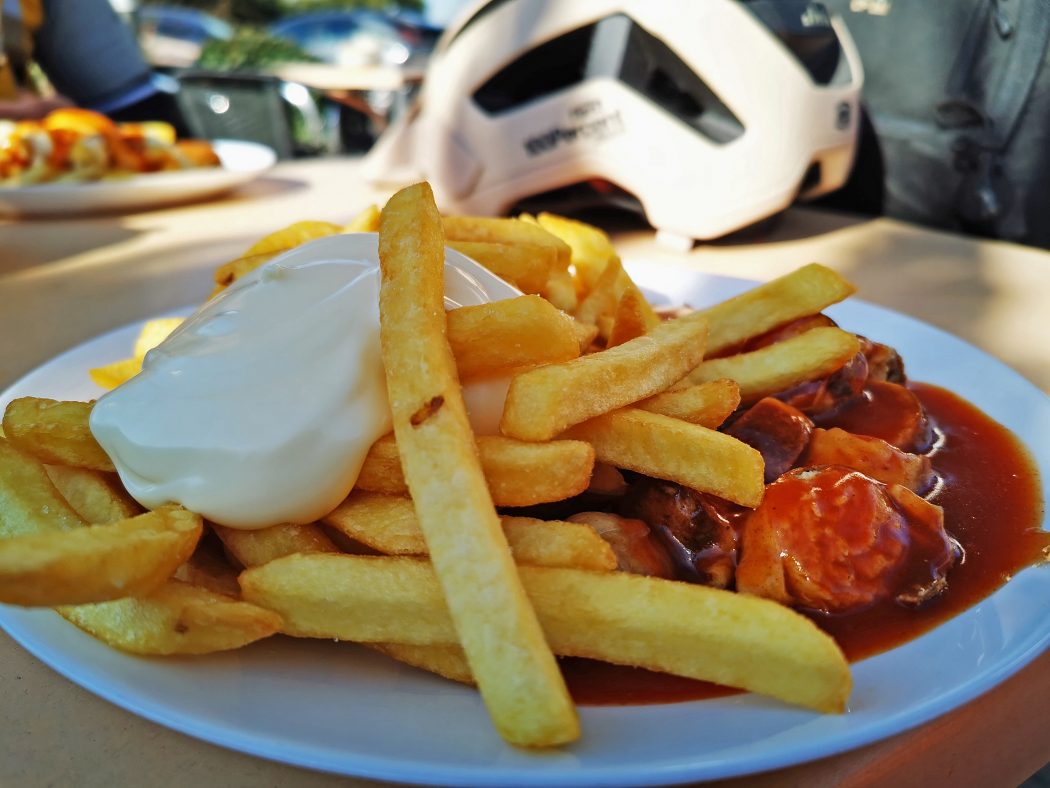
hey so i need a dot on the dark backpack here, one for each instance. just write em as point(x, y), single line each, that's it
point(957, 93)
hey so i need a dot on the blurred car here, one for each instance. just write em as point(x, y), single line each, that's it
point(172, 36)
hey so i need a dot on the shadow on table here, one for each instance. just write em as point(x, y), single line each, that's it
point(36, 242)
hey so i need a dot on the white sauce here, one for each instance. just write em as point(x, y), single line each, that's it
point(261, 407)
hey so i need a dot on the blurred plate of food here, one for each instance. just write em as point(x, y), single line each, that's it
point(75, 161)
point(341, 708)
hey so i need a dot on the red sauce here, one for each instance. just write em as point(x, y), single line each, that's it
point(992, 504)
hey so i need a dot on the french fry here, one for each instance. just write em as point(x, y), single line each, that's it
point(516, 673)
point(671, 449)
point(591, 248)
point(803, 292)
point(253, 548)
point(558, 543)
point(55, 432)
point(507, 231)
point(177, 618)
point(497, 338)
point(603, 295)
point(269, 247)
point(600, 305)
point(447, 661)
point(228, 273)
point(517, 473)
point(680, 628)
point(585, 335)
point(295, 234)
point(560, 290)
point(388, 524)
point(98, 497)
point(630, 320)
point(29, 501)
point(153, 332)
point(99, 562)
point(783, 365)
point(208, 568)
point(707, 404)
point(545, 401)
point(112, 375)
point(365, 222)
point(526, 266)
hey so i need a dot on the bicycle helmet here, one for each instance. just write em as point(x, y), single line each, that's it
point(710, 115)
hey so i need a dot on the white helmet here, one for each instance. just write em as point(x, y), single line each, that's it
point(710, 114)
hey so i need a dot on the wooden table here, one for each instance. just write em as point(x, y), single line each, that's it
point(64, 281)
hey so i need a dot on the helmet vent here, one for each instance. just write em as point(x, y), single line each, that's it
point(618, 48)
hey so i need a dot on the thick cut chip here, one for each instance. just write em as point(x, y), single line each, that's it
point(663, 625)
point(543, 402)
point(507, 231)
point(253, 548)
point(97, 563)
point(707, 404)
point(446, 661)
point(229, 272)
point(498, 338)
point(560, 290)
point(29, 501)
point(177, 618)
point(515, 670)
point(527, 266)
point(591, 248)
point(803, 292)
point(388, 524)
point(518, 473)
point(365, 222)
point(631, 318)
point(293, 235)
point(668, 448)
point(96, 496)
point(154, 332)
point(55, 432)
point(112, 375)
point(782, 365)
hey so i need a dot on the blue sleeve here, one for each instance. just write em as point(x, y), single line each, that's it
point(91, 56)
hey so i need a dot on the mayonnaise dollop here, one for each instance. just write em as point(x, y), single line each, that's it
point(261, 407)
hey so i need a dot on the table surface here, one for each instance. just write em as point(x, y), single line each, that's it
point(63, 281)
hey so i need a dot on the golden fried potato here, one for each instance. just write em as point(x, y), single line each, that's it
point(518, 473)
point(662, 625)
point(177, 618)
point(497, 626)
point(253, 548)
point(365, 222)
point(782, 365)
point(29, 501)
point(543, 402)
point(707, 404)
point(591, 248)
point(55, 432)
point(668, 448)
point(503, 336)
point(526, 266)
point(98, 497)
point(803, 292)
point(99, 562)
point(388, 524)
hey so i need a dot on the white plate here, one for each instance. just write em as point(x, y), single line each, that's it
point(241, 162)
point(340, 708)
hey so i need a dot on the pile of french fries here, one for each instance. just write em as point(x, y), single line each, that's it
point(418, 562)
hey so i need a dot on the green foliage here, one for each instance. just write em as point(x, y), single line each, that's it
point(263, 12)
point(250, 49)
